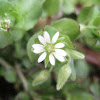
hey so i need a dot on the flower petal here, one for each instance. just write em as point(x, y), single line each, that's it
point(59, 45)
point(42, 57)
point(61, 52)
point(41, 39)
point(52, 59)
point(55, 37)
point(38, 50)
point(37, 46)
point(59, 57)
point(46, 36)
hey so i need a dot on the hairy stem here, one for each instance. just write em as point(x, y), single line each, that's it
point(5, 64)
point(21, 76)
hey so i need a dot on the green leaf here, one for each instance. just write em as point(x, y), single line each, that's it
point(27, 64)
point(73, 74)
point(9, 11)
point(63, 76)
point(96, 24)
point(2, 71)
point(10, 76)
point(41, 77)
point(95, 88)
point(16, 33)
point(13, 1)
point(67, 27)
point(5, 39)
point(97, 2)
point(75, 54)
point(85, 3)
point(82, 69)
point(22, 96)
point(78, 95)
point(51, 7)
point(70, 87)
point(6, 7)
point(88, 14)
point(72, 6)
point(32, 56)
point(19, 50)
point(31, 11)
point(90, 41)
point(68, 6)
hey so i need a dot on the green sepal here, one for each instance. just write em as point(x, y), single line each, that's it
point(41, 77)
point(46, 61)
point(63, 75)
point(75, 54)
point(73, 74)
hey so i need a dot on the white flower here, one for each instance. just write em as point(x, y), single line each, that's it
point(4, 24)
point(50, 47)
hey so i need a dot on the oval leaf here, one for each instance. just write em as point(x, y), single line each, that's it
point(67, 27)
point(10, 76)
point(31, 11)
point(49, 6)
point(87, 14)
point(22, 96)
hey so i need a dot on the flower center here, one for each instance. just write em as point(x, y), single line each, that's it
point(49, 47)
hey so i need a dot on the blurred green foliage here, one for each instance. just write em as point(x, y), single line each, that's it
point(78, 21)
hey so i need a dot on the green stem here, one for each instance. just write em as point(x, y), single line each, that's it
point(51, 69)
point(22, 77)
point(69, 59)
point(93, 27)
point(5, 64)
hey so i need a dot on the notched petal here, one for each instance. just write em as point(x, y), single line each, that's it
point(59, 57)
point(41, 39)
point(55, 37)
point(52, 59)
point(37, 46)
point(42, 57)
point(61, 52)
point(59, 45)
point(37, 51)
point(46, 36)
